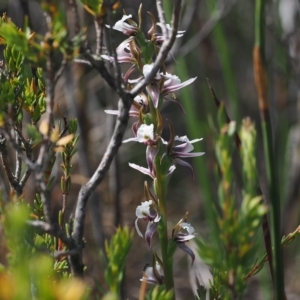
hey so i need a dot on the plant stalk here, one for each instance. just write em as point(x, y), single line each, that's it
point(160, 186)
point(272, 178)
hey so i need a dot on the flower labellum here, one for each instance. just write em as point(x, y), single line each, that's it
point(145, 134)
point(147, 211)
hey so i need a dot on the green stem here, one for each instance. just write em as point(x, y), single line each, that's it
point(223, 53)
point(271, 169)
point(160, 186)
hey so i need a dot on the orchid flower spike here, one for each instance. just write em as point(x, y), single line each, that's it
point(182, 233)
point(148, 211)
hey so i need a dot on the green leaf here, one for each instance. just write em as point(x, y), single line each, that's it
point(34, 134)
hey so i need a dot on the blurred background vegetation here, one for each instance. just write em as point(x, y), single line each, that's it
point(218, 45)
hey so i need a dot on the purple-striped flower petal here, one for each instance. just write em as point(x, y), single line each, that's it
point(134, 127)
point(184, 155)
point(128, 73)
point(112, 112)
point(134, 139)
point(151, 228)
point(153, 91)
point(184, 139)
point(132, 81)
point(183, 237)
point(150, 156)
point(172, 88)
point(183, 148)
point(187, 250)
point(182, 233)
point(142, 170)
point(178, 103)
point(133, 112)
point(185, 164)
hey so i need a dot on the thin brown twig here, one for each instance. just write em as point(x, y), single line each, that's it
point(285, 241)
point(98, 30)
point(60, 71)
point(255, 268)
point(16, 147)
point(18, 185)
point(162, 19)
point(6, 165)
point(18, 168)
point(74, 6)
point(43, 155)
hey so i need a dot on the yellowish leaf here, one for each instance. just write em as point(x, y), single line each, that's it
point(59, 149)
point(54, 135)
point(44, 128)
point(65, 140)
point(70, 290)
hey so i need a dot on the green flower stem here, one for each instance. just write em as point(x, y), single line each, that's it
point(160, 186)
point(273, 185)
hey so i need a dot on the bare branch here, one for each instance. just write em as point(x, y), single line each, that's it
point(74, 7)
point(82, 61)
point(54, 230)
point(162, 18)
point(112, 148)
point(98, 64)
point(25, 177)
point(6, 165)
point(16, 147)
point(18, 169)
point(62, 253)
point(98, 30)
point(43, 156)
point(60, 71)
